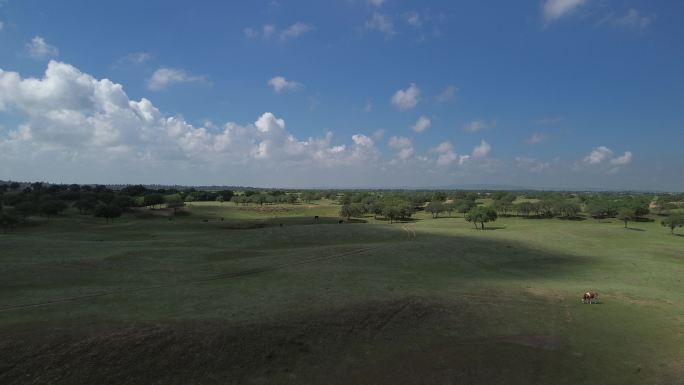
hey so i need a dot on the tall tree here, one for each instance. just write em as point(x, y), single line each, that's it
point(481, 215)
point(673, 221)
point(626, 214)
point(435, 207)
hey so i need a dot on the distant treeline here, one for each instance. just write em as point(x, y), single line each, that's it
point(20, 201)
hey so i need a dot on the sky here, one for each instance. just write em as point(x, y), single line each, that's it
point(557, 94)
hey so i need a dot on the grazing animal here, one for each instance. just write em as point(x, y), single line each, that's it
point(316, 218)
point(590, 297)
point(340, 221)
point(281, 225)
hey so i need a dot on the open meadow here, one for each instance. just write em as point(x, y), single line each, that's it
point(247, 294)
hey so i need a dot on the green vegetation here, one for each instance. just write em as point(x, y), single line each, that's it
point(202, 289)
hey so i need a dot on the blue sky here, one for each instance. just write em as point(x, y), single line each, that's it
point(348, 93)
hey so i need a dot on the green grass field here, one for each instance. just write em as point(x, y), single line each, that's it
point(244, 300)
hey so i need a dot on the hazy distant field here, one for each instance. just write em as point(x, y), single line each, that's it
point(245, 300)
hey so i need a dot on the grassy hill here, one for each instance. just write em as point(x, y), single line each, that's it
point(232, 294)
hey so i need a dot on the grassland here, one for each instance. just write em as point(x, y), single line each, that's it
point(226, 295)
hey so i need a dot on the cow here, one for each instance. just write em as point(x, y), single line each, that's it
point(340, 222)
point(316, 218)
point(590, 297)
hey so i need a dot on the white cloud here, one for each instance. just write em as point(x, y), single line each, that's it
point(70, 114)
point(536, 138)
point(422, 124)
point(268, 31)
point(165, 77)
point(531, 164)
point(381, 23)
point(632, 19)
point(295, 30)
point(447, 94)
point(602, 159)
point(379, 134)
point(447, 155)
point(39, 49)
point(414, 19)
point(376, 3)
point(555, 9)
point(482, 150)
point(408, 98)
point(403, 145)
point(135, 58)
point(281, 84)
point(623, 160)
point(399, 142)
point(368, 106)
point(362, 140)
point(478, 125)
point(598, 155)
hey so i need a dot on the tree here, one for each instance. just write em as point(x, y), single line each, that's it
point(8, 218)
point(349, 211)
point(87, 203)
point(108, 211)
point(435, 207)
point(673, 221)
point(626, 214)
point(153, 199)
point(51, 207)
point(502, 206)
point(174, 202)
point(466, 205)
point(227, 195)
point(481, 215)
point(525, 208)
point(25, 209)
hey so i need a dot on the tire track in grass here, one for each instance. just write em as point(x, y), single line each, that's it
point(218, 277)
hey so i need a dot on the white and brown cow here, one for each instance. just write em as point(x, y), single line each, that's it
point(590, 297)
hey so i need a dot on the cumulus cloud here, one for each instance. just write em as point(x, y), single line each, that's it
point(531, 164)
point(422, 124)
point(598, 155)
point(70, 113)
point(625, 159)
point(478, 125)
point(447, 94)
point(482, 150)
point(39, 49)
point(135, 58)
point(536, 138)
point(632, 19)
point(165, 77)
point(399, 142)
point(603, 155)
point(414, 19)
point(268, 31)
point(408, 98)
point(382, 24)
point(295, 30)
point(404, 146)
point(447, 156)
point(556, 9)
point(280, 84)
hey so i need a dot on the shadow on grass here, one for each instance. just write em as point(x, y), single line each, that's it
point(314, 345)
point(634, 229)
